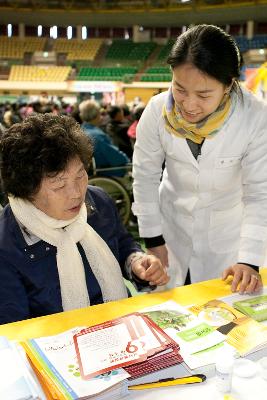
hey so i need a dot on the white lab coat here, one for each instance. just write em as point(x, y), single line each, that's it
point(212, 211)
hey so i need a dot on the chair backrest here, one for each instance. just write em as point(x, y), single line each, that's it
point(92, 168)
point(94, 171)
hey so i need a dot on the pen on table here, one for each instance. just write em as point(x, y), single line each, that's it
point(198, 378)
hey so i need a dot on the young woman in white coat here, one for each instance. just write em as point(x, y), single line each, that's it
point(205, 214)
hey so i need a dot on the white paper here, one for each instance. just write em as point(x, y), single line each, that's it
point(60, 353)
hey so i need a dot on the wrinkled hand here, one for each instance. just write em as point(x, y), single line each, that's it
point(149, 268)
point(160, 252)
point(248, 280)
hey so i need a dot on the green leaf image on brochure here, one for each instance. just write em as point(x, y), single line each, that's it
point(255, 307)
point(170, 319)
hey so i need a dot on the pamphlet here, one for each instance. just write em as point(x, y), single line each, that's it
point(255, 307)
point(198, 341)
point(243, 333)
point(85, 363)
point(55, 360)
point(113, 344)
point(133, 342)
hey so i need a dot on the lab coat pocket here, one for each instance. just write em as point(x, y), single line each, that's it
point(227, 172)
point(224, 231)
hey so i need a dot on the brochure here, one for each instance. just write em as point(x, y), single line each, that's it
point(243, 333)
point(55, 361)
point(133, 342)
point(85, 363)
point(255, 307)
point(198, 341)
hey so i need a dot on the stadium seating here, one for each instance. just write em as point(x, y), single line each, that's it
point(38, 74)
point(257, 42)
point(15, 48)
point(123, 59)
point(128, 50)
point(157, 74)
point(106, 74)
point(78, 49)
point(165, 50)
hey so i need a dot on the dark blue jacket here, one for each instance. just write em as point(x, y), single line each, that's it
point(28, 274)
point(105, 153)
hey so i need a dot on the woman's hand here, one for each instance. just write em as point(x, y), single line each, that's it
point(247, 278)
point(149, 268)
point(160, 252)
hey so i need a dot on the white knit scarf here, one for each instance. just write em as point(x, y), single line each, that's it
point(64, 235)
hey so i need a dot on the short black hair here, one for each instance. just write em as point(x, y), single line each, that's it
point(113, 111)
point(138, 112)
point(211, 50)
point(40, 146)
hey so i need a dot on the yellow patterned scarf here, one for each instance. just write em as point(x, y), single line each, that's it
point(197, 132)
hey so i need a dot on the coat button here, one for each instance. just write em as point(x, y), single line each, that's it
point(32, 256)
point(47, 248)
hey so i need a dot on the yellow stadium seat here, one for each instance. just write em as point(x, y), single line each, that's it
point(38, 74)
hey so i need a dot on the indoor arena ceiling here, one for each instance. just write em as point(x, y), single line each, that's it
point(131, 12)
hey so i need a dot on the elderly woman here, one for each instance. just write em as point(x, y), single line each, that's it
point(105, 153)
point(62, 245)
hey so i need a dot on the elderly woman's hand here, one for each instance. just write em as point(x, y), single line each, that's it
point(149, 268)
point(248, 280)
point(160, 252)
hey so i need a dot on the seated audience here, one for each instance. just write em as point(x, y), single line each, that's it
point(105, 153)
point(132, 128)
point(62, 245)
point(117, 128)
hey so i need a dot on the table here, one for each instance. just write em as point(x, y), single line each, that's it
point(243, 389)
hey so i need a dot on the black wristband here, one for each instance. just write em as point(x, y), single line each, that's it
point(154, 241)
point(255, 267)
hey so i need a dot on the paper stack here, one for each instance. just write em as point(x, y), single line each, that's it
point(16, 382)
point(97, 362)
point(55, 363)
point(133, 342)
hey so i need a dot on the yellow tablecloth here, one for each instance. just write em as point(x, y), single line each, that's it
point(56, 323)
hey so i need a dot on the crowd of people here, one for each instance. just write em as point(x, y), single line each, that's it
point(113, 120)
point(111, 127)
point(199, 155)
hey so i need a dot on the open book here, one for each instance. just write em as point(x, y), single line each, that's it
point(55, 362)
point(243, 333)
